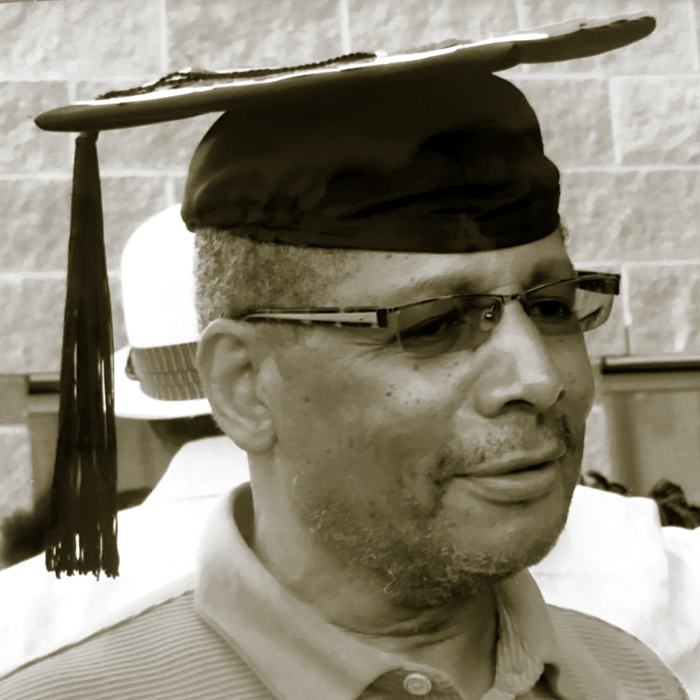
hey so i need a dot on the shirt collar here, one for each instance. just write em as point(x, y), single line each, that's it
point(300, 656)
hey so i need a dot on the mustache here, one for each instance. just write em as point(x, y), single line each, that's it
point(514, 437)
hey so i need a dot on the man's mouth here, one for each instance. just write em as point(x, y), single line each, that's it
point(529, 469)
point(518, 479)
point(523, 462)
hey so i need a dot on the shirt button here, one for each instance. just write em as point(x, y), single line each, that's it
point(417, 684)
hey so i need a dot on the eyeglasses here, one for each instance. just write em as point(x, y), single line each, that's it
point(435, 326)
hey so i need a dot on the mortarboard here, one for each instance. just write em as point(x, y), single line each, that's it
point(425, 150)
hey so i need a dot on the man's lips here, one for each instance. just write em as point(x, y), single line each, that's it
point(517, 479)
point(519, 462)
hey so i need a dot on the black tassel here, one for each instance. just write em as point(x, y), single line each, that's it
point(83, 530)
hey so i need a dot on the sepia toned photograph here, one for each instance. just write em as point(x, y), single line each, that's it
point(350, 349)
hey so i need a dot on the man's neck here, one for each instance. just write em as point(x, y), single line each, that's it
point(458, 638)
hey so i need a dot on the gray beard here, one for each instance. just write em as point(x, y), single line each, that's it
point(415, 570)
point(410, 556)
point(411, 560)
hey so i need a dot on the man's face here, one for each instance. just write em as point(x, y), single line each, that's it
point(427, 471)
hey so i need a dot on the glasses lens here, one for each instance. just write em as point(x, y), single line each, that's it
point(437, 326)
point(570, 307)
point(561, 308)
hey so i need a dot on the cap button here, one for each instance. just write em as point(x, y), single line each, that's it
point(417, 684)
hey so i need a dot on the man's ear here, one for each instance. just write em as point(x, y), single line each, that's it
point(229, 360)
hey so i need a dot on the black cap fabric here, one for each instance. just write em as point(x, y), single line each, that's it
point(422, 151)
point(442, 160)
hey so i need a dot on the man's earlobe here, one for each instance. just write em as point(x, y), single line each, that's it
point(228, 361)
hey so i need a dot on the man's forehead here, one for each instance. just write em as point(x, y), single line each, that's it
point(397, 278)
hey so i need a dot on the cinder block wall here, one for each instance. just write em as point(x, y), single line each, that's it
point(624, 129)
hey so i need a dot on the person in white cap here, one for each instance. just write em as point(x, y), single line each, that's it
point(155, 375)
point(39, 612)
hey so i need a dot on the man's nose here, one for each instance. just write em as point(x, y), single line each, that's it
point(516, 367)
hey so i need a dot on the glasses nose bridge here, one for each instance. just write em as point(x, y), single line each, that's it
point(504, 299)
point(508, 298)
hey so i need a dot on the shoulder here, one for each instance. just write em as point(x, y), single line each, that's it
point(593, 652)
point(165, 651)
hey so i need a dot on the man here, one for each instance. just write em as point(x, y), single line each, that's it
point(403, 361)
point(613, 559)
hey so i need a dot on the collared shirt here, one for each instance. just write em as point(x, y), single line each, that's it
point(266, 617)
point(268, 644)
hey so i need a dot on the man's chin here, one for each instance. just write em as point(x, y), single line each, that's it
point(430, 562)
point(447, 578)
point(428, 575)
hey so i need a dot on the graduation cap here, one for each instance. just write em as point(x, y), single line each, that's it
point(424, 150)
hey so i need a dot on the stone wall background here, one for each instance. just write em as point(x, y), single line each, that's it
point(624, 129)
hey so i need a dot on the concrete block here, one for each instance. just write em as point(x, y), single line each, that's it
point(36, 224)
point(671, 48)
point(31, 322)
point(118, 331)
point(574, 116)
point(632, 215)
point(38, 219)
point(657, 120)
point(127, 203)
point(664, 309)
point(24, 147)
point(393, 25)
point(224, 35)
point(80, 39)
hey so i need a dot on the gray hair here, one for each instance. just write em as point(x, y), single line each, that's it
point(235, 275)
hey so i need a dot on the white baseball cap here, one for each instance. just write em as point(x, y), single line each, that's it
point(155, 375)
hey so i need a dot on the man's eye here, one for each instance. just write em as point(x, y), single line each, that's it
point(552, 309)
point(432, 328)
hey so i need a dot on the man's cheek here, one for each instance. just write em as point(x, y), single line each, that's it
point(576, 408)
point(575, 368)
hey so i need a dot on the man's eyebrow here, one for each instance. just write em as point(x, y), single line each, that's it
point(545, 270)
point(551, 270)
point(455, 283)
